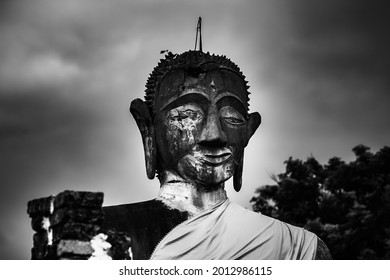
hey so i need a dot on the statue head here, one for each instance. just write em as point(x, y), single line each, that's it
point(194, 121)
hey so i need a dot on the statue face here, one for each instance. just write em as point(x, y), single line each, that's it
point(201, 125)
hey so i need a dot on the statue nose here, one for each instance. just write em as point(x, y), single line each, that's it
point(212, 134)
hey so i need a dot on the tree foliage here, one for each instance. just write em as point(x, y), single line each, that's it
point(346, 204)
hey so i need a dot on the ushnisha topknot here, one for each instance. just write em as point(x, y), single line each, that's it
point(187, 60)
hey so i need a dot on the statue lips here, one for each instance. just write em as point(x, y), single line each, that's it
point(213, 157)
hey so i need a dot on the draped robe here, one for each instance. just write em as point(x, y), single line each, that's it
point(229, 231)
point(225, 231)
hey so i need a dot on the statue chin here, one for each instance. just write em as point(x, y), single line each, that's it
point(204, 174)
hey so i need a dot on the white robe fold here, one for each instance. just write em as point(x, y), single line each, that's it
point(229, 231)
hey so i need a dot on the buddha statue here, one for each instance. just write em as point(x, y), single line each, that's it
point(195, 124)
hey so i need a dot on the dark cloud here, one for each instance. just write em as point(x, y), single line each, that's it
point(40, 132)
point(343, 38)
point(331, 65)
point(48, 142)
point(37, 112)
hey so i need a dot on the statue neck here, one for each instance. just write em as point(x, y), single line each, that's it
point(178, 194)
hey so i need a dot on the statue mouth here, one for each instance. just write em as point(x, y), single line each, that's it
point(214, 158)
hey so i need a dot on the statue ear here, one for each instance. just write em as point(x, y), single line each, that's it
point(252, 125)
point(143, 118)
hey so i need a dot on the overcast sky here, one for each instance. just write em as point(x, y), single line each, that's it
point(318, 71)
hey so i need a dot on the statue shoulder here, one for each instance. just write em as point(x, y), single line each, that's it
point(322, 252)
point(145, 222)
point(140, 214)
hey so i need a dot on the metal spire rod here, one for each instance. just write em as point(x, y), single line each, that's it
point(199, 33)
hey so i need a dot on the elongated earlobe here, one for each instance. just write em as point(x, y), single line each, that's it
point(237, 176)
point(143, 118)
point(252, 125)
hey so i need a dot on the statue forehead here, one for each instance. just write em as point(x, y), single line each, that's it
point(178, 82)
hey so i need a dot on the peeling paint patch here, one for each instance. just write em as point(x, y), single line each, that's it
point(184, 121)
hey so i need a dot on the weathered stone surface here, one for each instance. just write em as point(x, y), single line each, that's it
point(93, 199)
point(75, 198)
point(46, 252)
point(40, 239)
point(74, 247)
point(51, 253)
point(38, 253)
point(74, 218)
point(76, 215)
point(40, 206)
point(120, 244)
point(38, 223)
point(77, 231)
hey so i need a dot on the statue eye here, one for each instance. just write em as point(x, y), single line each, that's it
point(234, 120)
point(231, 116)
